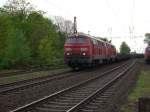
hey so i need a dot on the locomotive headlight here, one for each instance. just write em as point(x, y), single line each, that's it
point(83, 49)
point(84, 54)
point(68, 54)
point(68, 49)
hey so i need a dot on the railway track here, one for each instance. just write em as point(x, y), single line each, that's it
point(99, 98)
point(6, 88)
point(73, 98)
point(28, 70)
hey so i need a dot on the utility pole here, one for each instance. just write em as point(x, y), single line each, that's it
point(75, 25)
point(132, 36)
point(109, 33)
point(88, 32)
point(131, 30)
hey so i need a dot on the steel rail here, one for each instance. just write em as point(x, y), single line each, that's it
point(9, 87)
point(65, 90)
point(99, 91)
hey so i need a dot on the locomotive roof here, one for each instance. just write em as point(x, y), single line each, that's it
point(97, 38)
point(148, 46)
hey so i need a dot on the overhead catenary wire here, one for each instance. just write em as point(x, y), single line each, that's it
point(132, 35)
point(114, 13)
point(66, 12)
point(117, 16)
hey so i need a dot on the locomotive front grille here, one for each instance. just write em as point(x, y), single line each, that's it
point(77, 59)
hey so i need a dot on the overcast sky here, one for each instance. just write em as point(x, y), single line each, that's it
point(105, 18)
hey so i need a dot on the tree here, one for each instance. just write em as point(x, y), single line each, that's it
point(12, 7)
point(124, 48)
point(147, 38)
point(5, 26)
point(27, 37)
point(63, 25)
point(16, 50)
point(39, 28)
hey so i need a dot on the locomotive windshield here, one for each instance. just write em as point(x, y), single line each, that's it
point(148, 49)
point(73, 39)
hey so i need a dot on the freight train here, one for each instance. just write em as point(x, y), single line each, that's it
point(85, 50)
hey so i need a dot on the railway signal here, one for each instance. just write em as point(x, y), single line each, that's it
point(75, 25)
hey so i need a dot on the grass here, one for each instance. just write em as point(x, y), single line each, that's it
point(16, 78)
point(142, 89)
point(8, 71)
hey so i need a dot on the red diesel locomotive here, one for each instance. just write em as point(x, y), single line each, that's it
point(84, 50)
point(147, 54)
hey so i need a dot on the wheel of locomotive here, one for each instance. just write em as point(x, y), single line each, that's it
point(89, 65)
point(75, 68)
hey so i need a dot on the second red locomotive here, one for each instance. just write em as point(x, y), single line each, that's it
point(147, 54)
point(85, 50)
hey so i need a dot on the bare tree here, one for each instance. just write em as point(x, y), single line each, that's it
point(63, 25)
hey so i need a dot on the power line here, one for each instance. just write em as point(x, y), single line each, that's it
point(114, 13)
point(132, 12)
point(59, 8)
point(131, 28)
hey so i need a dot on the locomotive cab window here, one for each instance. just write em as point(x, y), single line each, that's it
point(94, 42)
point(73, 40)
